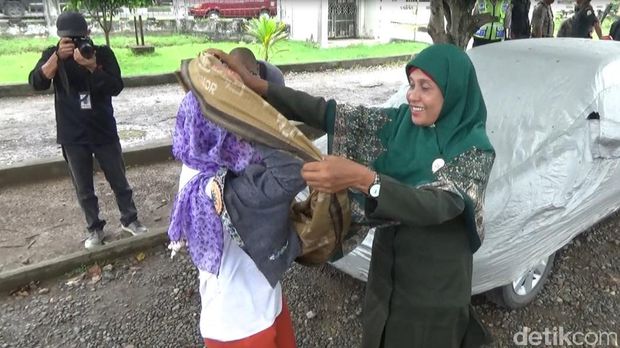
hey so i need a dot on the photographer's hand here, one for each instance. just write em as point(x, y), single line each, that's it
point(90, 64)
point(50, 67)
point(65, 48)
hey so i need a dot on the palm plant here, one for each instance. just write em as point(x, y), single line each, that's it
point(268, 32)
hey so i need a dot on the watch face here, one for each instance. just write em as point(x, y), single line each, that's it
point(374, 190)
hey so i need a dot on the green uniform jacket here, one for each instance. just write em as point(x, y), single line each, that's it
point(419, 285)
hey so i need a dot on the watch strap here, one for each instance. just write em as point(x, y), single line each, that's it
point(376, 181)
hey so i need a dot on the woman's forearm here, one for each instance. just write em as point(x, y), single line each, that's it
point(597, 28)
point(300, 106)
point(258, 85)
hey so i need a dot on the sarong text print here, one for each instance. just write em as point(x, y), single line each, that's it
point(208, 85)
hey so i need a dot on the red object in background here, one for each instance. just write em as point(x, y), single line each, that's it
point(235, 9)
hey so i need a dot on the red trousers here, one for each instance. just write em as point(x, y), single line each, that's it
point(278, 335)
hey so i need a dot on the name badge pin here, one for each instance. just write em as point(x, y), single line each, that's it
point(438, 164)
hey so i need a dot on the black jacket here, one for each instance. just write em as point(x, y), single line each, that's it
point(520, 21)
point(583, 22)
point(258, 202)
point(614, 31)
point(73, 124)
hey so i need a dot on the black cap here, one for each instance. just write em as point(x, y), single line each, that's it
point(71, 24)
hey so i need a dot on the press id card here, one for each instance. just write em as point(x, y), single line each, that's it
point(85, 101)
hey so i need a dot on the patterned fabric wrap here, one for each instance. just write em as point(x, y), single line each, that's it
point(467, 176)
point(352, 125)
point(202, 145)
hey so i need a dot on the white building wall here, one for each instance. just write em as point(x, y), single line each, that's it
point(368, 19)
point(404, 18)
point(383, 20)
point(386, 20)
point(307, 18)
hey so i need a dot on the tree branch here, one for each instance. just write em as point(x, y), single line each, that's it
point(447, 13)
point(479, 20)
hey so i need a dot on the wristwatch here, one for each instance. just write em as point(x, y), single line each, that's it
point(375, 188)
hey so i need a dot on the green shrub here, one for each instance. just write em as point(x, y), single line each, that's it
point(268, 32)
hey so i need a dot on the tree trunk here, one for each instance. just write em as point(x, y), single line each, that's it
point(452, 21)
point(107, 36)
point(106, 24)
point(51, 9)
point(106, 28)
point(135, 28)
point(437, 24)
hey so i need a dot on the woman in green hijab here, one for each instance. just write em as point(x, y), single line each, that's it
point(423, 167)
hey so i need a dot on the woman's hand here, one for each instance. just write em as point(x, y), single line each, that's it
point(253, 82)
point(334, 174)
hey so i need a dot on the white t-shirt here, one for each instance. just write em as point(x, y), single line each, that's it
point(239, 302)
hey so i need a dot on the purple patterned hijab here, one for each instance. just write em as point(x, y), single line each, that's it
point(204, 146)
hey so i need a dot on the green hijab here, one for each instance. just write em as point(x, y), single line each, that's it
point(412, 149)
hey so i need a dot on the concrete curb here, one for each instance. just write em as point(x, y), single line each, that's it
point(13, 279)
point(24, 90)
point(54, 168)
point(154, 152)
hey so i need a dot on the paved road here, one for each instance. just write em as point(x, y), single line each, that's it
point(145, 114)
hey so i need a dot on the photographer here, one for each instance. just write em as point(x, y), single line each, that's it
point(85, 78)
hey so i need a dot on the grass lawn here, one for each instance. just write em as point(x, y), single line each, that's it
point(19, 55)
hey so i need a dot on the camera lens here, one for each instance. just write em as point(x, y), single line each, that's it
point(85, 46)
point(86, 50)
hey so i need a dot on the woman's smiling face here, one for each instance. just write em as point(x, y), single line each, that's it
point(424, 98)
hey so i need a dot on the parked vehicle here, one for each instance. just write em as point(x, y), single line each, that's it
point(235, 9)
point(554, 120)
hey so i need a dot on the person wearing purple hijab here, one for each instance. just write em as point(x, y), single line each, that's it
point(241, 255)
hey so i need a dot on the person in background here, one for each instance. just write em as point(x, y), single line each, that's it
point(614, 31)
point(542, 19)
point(585, 21)
point(581, 24)
point(85, 78)
point(520, 22)
point(495, 30)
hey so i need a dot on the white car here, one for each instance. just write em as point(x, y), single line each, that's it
point(553, 110)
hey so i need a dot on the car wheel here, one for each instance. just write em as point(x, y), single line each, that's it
point(14, 9)
point(264, 13)
point(524, 289)
point(213, 14)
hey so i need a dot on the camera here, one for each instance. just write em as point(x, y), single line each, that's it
point(85, 45)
